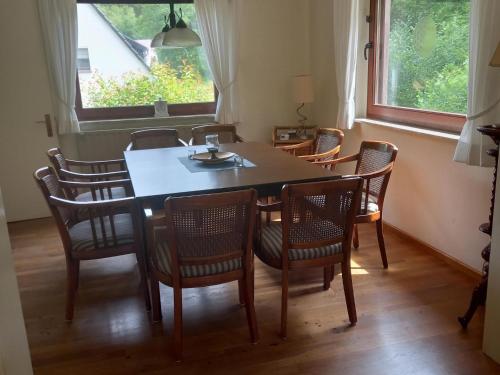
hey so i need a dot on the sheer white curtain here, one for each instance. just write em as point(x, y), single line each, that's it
point(484, 84)
point(60, 35)
point(346, 28)
point(218, 22)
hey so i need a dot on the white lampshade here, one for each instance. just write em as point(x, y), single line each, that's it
point(495, 60)
point(181, 38)
point(157, 41)
point(303, 91)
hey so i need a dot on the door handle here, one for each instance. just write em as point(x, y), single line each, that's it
point(368, 45)
point(48, 124)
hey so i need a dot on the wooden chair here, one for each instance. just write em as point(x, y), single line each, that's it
point(154, 138)
point(315, 231)
point(205, 240)
point(227, 134)
point(325, 146)
point(89, 171)
point(111, 228)
point(374, 164)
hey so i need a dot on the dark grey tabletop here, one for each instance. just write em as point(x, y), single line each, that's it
point(159, 173)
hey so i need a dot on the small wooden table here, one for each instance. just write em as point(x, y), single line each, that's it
point(158, 173)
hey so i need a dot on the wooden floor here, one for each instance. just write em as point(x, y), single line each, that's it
point(407, 317)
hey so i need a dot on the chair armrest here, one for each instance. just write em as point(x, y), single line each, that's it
point(129, 147)
point(269, 207)
point(110, 203)
point(93, 176)
point(182, 142)
point(95, 184)
point(332, 153)
point(334, 162)
point(379, 173)
point(297, 146)
point(153, 218)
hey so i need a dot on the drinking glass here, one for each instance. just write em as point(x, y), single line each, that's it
point(239, 161)
point(212, 142)
point(191, 152)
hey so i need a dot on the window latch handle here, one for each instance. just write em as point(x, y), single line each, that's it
point(367, 46)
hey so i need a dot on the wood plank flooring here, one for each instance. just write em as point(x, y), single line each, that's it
point(407, 317)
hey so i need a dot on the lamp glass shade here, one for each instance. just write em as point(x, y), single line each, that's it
point(157, 41)
point(303, 91)
point(495, 60)
point(181, 38)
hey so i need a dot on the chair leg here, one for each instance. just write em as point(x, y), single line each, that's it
point(381, 243)
point(71, 282)
point(333, 273)
point(349, 292)
point(77, 271)
point(144, 278)
point(250, 307)
point(268, 214)
point(327, 277)
point(284, 302)
point(241, 292)
point(178, 323)
point(155, 299)
point(355, 237)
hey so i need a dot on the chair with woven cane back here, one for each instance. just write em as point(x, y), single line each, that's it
point(226, 133)
point(316, 227)
point(89, 171)
point(109, 228)
point(325, 146)
point(374, 164)
point(204, 240)
point(154, 138)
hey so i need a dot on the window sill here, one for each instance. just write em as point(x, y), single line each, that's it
point(142, 123)
point(408, 128)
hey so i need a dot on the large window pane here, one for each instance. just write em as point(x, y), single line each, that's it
point(125, 71)
point(423, 55)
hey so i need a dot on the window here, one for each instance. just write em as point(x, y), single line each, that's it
point(127, 76)
point(418, 68)
point(83, 61)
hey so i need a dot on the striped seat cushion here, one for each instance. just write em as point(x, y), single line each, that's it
point(271, 246)
point(116, 193)
point(372, 203)
point(164, 262)
point(82, 239)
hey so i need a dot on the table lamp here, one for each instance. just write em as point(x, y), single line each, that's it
point(303, 93)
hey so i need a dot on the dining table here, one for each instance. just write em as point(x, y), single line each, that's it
point(157, 174)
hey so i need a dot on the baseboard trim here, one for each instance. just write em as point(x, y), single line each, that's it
point(451, 261)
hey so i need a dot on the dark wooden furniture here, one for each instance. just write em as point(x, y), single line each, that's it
point(206, 240)
point(158, 173)
point(310, 132)
point(227, 134)
point(89, 171)
point(479, 294)
point(325, 146)
point(154, 138)
point(109, 227)
point(374, 164)
point(316, 227)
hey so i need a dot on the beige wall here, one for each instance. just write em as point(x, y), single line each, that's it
point(430, 197)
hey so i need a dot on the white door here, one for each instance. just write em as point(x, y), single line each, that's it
point(24, 100)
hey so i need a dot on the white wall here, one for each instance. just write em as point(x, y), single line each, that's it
point(14, 351)
point(430, 197)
